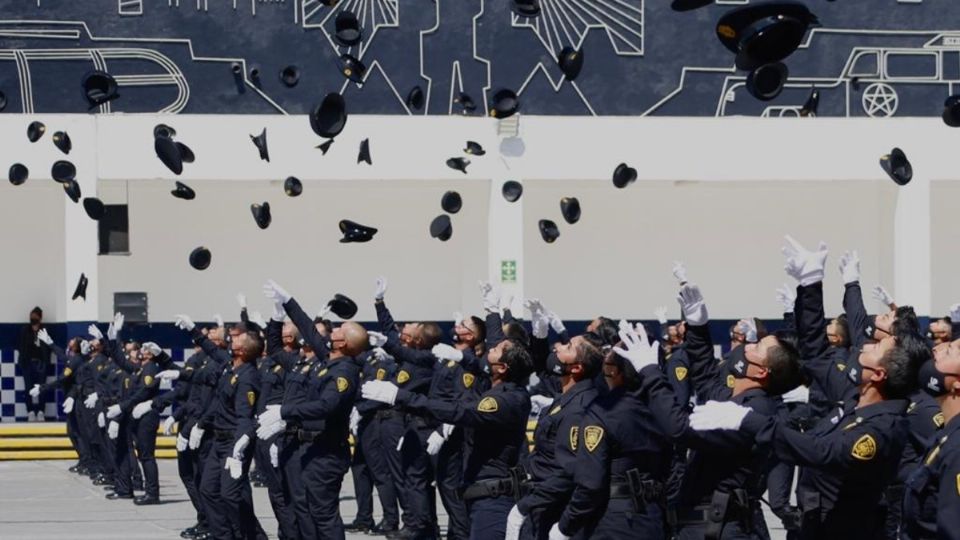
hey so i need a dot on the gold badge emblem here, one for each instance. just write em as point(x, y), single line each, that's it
point(488, 404)
point(731, 381)
point(233, 380)
point(958, 483)
point(939, 420)
point(342, 384)
point(277, 368)
point(451, 363)
point(574, 432)
point(322, 372)
point(402, 377)
point(148, 380)
point(468, 379)
point(381, 374)
point(251, 397)
point(555, 410)
point(680, 372)
point(865, 448)
point(592, 435)
point(304, 369)
point(841, 367)
point(67, 372)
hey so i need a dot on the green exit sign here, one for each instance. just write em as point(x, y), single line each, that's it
point(508, 271)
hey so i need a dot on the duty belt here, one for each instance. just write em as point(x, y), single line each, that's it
point(513, 486)
point(735, 506)
point(640, 491)
point(308, 436)
point(223, 434)
point(384, 414)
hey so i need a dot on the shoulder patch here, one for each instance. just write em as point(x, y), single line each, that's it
point(381, 374)
point(468, 379)
point(251, 397)
point(488, 404)
point(322, 372)
point(592, 435)
point(938, 420)
point(342, 384)
point(865, 448)
point(680, 372)
point(233, 380)
point(574, 433)
point(731, 381)
point(67, 372)
point(277, 368)
point(148, 380)
point(402, 377)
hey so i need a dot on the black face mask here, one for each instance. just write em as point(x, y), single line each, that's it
point(555, 366)
point(737, 363)
point(34, 321)
point(932, 380)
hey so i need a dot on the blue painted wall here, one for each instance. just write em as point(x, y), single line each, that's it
point(871, 57)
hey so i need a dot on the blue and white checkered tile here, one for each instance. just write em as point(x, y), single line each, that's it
point(13, 395)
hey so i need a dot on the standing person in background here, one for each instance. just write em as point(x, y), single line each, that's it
point(33, 357)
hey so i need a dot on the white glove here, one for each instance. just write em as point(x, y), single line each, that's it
point(787, 297)
point(168, 425)
point(118, 320)
point(240, 446)
point(514, 524)
point(381, 288)
point(718, 415)
point(434, 442)
point(354, 421)
point(376, 339)
point(800, 394)
point(101, 420)
point(235, 466)
point(539, 321)
point(506, 302)
point(748, 327)
point(113, 430)
point(539, 403)
point(275, 292)
point(400, 444)
point(446, 430)
point(169, 375)
point(555, 533)
point(94, 332)
point(242, 300)
point(639, 351)
point(556, 323)
point(182, 442)
point(217, 318)
point(152, 348)
point(270, 422)
point(446, 352)
point(850, 267)
point(257, 318)
point(91, 401)
point(382, 391)
point(274, 456)
point(382, 355)
point(882, 296)
point(679, 272)
point(111, 332)
point(196, 437)
point(84, 347)
point(44, 336)
point(955, 313)
point(113, 412)
point(661, 314)
point(691, 303)
point(184, 322)
point(35, 391)
point(68, 405)
point(279, 314)
point(805, 266)
point(491, 300)
point(141, 409)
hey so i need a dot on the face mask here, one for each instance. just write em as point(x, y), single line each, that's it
point(34, 321)
point(854, 375)
point(453, 335)
point(932, 380)
point(555, 366)
point(737, 363)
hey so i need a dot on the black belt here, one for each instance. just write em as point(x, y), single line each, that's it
point(308, 436)
point(384, 414)
point(649, 490)
point(515, 486)
point(223, 434)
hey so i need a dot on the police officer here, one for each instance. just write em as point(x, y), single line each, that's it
point(225, 488)
point(325, 420)
point(849, 459)
point(68, 383)
point(931, 508)
point(551, 467)
point(495, 424)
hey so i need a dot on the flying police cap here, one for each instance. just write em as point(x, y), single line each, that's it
point(441, 228)
point(354, 232)
point(292, 186)
point(18, 174)
point(261, 214)
point(62, 141)
point(570, 61)
point(94, 208)
point(347, 31)
point(624, 175)
point(342, 306)
point(897, 166)
point(183, 191)
point(511, 190)
point(548, 231)
point(451, 202)
point(200, 258)
point(570, 208)
point(329, 118)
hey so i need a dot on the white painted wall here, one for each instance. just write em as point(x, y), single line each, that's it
point(813, 177)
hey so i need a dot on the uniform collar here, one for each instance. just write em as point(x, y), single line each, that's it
point(952, 426)
point(887, 406)
point(749, 394)
point(578, 388)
